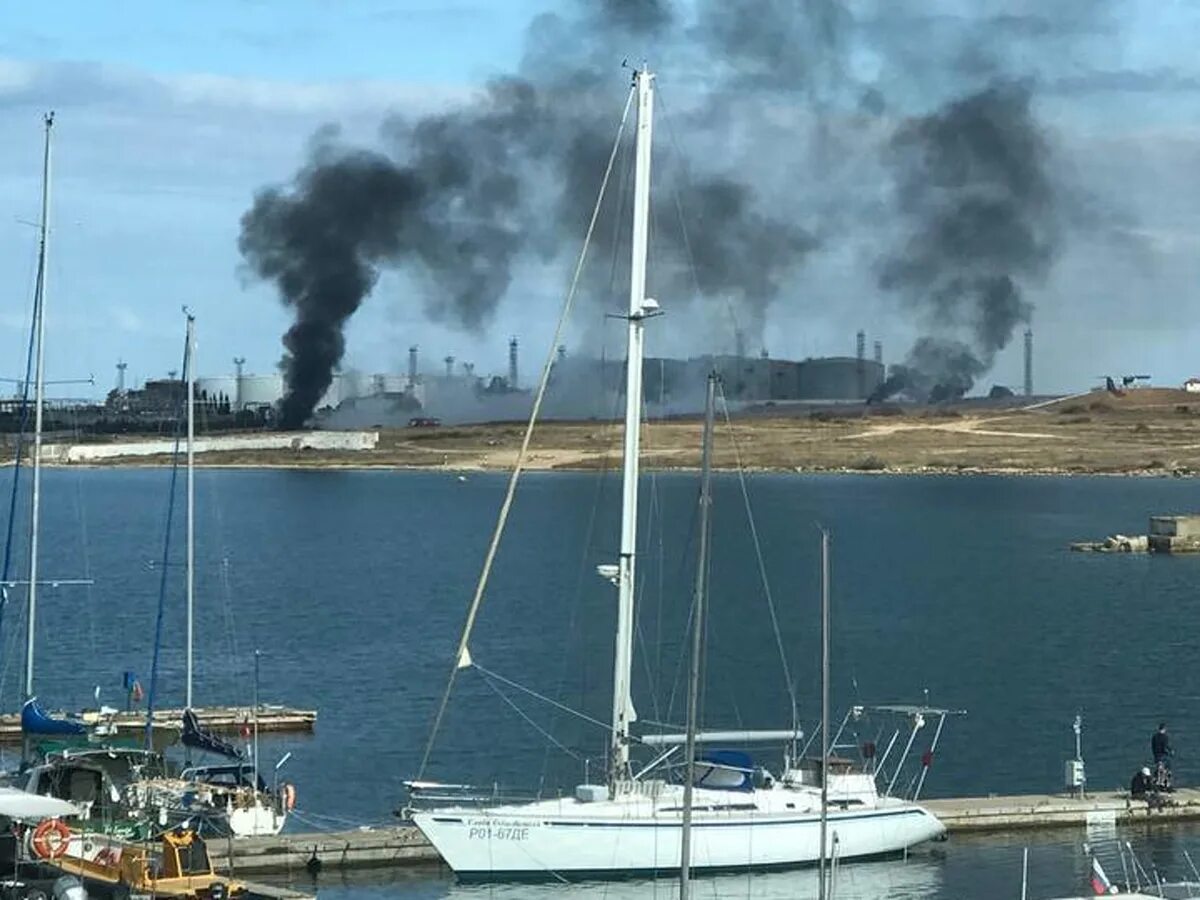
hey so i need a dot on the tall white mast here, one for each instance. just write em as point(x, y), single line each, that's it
point(39, 313)
point(824, 841)
point(639, 309)
point(191, 490)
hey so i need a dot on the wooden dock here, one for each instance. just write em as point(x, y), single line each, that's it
point(360, 848)
point(403, 845)
point(1011, 813)
point(275, 891)
point(216, 718)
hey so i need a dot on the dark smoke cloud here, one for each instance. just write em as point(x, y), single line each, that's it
point(770, 156)
point(979, 219)
point(478, 182)
point(936, 370)
point(321, 242)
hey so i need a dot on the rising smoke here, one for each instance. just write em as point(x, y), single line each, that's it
point(471, 192)
point(978, 217)
point(768, 110)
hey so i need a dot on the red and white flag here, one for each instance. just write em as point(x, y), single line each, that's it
point(1100, 883)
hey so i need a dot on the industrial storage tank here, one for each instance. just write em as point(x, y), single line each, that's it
point(389, 384)
point(216, 387)
point(260, 390)
point(838, 378)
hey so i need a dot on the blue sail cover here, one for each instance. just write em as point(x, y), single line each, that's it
point(728, 770)
point(35, 720)
point(194, 735)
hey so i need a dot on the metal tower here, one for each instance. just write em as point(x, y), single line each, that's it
point(1028, 362)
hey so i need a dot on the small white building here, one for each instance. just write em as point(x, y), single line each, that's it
point(1192, 385)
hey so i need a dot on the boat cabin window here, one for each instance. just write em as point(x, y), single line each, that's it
point(193, 857)
point(77, 785)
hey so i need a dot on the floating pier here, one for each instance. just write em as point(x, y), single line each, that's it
point(360, 848)
point(215, 718)
point(404, 845)
point(1168, 534)
point(1029, 811)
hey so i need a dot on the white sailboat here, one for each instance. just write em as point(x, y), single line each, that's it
point(739, 818)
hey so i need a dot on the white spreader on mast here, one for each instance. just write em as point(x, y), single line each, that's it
point(39, 314)
point(640, 308)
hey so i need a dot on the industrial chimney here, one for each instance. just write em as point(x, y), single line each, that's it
point(412, 368)
point(512, 364)
point(879, 352)
point(121, 367)
point(1028, 362)
point(239, 364)
point(860, 367)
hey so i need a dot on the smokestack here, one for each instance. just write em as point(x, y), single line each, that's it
point(121, 367)
point(1028, 362)
point(449, 366)
point(861, 364)
point(879, 352)
point(739, 344)
point(412, 367)
point(512, 364)
point(238, 364)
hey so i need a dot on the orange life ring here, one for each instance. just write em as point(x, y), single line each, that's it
point(50, 839)
point(289, 796)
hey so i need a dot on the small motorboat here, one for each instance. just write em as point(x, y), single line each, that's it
point(177, 866)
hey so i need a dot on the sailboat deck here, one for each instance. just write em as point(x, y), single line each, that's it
point(215, 718)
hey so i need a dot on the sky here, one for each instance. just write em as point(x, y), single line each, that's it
point(169, 116)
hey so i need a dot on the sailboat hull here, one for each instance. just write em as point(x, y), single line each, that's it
point(554, 840)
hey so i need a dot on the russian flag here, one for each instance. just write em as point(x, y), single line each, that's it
point(1100, 883)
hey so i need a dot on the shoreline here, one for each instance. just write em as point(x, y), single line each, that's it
point(1150, 433)
point(885, 472)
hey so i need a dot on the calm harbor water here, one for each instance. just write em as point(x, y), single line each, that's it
point(354, 584)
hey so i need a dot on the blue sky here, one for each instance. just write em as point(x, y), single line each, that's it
point(171, 115)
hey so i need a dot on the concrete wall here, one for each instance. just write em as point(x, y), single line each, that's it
point(309, 440)
point(1175, 526)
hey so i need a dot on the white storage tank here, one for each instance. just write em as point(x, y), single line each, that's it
point(214, 387)
point(261, 390)
point(390, 384)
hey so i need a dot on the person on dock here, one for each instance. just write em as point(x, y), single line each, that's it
point(1142, 784)
point(1160, 746)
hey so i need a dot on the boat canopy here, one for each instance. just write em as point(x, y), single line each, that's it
point(35, 720)
point(26, 807)
point(726, 770)
point(195, 735)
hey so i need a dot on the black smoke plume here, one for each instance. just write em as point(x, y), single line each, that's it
point(979, 220)
point(320, 242)
point(510, 176)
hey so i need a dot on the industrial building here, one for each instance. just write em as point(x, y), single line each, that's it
point(580, 387)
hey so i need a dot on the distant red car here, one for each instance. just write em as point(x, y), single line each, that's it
point(423, 422)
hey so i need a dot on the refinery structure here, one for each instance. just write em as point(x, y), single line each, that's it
point(451, 391)
point(581, 386)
